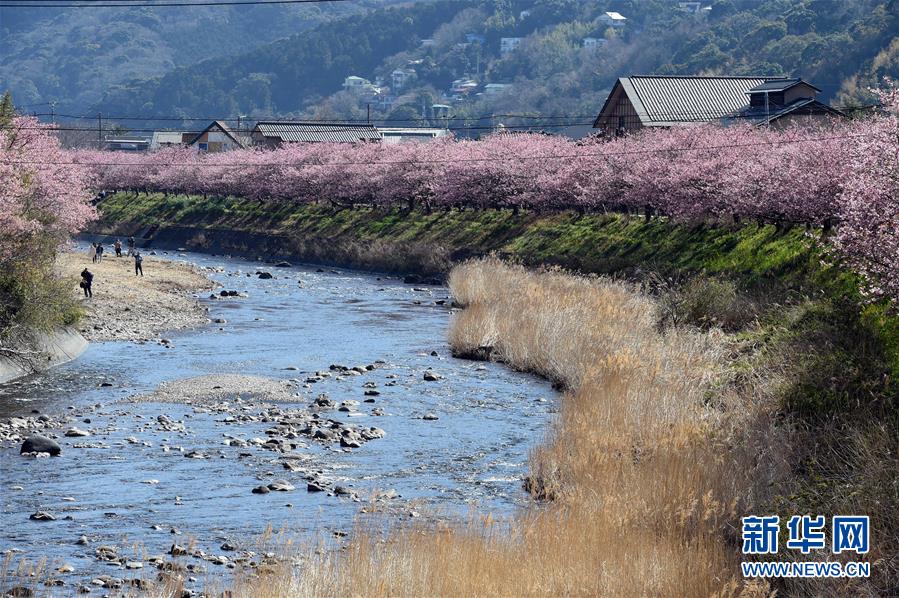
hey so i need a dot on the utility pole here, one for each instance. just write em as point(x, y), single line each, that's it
point(368, 111)
point(53, 112)
point(99, 130)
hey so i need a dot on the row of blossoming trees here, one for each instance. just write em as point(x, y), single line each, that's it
point(845, 175)
point(43, 199)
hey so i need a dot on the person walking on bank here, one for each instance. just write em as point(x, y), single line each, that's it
point(138, 263)
point(99, 252)
point(130, 246)
point(93, 252)
point(87, 280)
point(118, 248)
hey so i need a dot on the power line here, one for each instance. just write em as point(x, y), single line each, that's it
point(107, 4)
point(687, 116)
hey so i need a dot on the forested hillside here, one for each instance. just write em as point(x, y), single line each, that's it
point(293, 60)
point(74, 56)
point(550, 72)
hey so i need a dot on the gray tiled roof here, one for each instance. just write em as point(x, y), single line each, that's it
point(666, 100)
point(310, 132)
point(781, 85)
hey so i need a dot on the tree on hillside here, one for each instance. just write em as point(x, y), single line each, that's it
point(7, 110)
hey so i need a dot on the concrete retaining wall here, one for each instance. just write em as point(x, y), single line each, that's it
point(51, 349)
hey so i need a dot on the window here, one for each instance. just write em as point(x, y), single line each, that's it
point(204, 147)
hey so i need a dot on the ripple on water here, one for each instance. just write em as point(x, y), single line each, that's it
point(488, 421)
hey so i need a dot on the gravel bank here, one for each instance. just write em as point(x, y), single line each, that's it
point(137, 308)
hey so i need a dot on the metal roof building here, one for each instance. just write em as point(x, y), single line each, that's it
point(666, 101)
point(663, 101)
point(274, 133)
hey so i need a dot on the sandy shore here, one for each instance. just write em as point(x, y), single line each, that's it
point(135, 308)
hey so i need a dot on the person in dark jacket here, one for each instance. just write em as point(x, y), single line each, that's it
point(87, 279)
point(138, 263)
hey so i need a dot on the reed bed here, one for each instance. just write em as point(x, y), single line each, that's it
point(638, 482)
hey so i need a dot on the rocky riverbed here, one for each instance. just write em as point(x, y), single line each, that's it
point(311, 399)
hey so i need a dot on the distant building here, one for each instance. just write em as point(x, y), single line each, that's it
point(401, 77)
point(164, 139)
point(397, 135)
point(475, 38)
point(509, 44)
point(594, 43)
point(612, 19)
point(354, 83)
point(440, 110)
point(461, 89)
point(666, 101)
point(495, 88)
point(215, 138)
point(126, 143)
point(524, 14)
point(275, 133)
point(693, 7)
point(427, 43)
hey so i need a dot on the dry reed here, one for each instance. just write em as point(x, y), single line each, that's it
point(647, 464)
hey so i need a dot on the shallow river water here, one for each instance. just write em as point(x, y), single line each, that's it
point(475, 453)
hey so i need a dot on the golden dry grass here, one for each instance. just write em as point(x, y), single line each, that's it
point(648, 462)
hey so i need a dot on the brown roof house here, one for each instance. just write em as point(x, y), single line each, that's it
point(668, 101)
point(217, 137)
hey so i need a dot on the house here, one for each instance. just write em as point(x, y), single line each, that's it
point(462, 89)
point(354, 83)
point(475, 38)
point(164, 139)
point(509, 44)
point(272, 134)
point(401, 77)
point(440, 110)
point(428, 43)
point(612, 19)
point(524, 14)
point(397, 135)
point(666, 101)
point(126, 143)
point(693, 7)
point(785, 101)
point(594, 43)
point(495, 88)
point(215, 138)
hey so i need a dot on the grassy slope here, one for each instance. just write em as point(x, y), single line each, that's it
point(593, 243)
point(797, 317)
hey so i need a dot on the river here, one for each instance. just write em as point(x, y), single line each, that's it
point(135, 489)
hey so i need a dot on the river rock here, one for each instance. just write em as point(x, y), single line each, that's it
point(261, 490)
point(40, 444)
point(315, 486)
point(349, 442)
point(429, 417)
point(431, 376)
point(265, 276)
point(20, 592)
point(281, 486)
point(42, 516)
point(283, 265)
point(76, 433)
